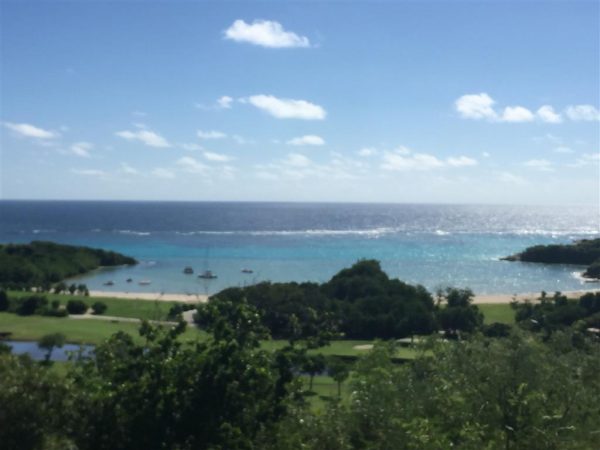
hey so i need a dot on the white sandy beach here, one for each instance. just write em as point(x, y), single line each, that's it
point(200, 298)
point(152, 296)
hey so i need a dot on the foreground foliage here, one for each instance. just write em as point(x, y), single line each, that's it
point(518, 392)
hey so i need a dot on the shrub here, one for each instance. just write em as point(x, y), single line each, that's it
point(3, 301)
point(99, 308)
point(28, 306)
point(76, 307)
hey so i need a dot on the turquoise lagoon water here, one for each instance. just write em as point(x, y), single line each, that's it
point(433, 245)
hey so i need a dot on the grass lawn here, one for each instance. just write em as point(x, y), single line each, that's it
point(497, 312)
point(77, 331)
point(120, 307)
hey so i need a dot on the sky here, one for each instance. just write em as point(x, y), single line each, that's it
point(420, 102)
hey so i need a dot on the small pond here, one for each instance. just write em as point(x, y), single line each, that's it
point(38, 354)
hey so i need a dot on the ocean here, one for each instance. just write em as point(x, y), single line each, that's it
point(433, 245)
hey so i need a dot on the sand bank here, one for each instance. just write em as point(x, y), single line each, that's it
point(152, 296)
point(507, 298)
point(201, 298)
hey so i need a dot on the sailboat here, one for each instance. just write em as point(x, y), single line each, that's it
point(207, 274)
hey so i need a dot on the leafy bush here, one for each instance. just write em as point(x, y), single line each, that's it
point(76, 307)
point(99, 308)
point(3, 301)
point(27, 306)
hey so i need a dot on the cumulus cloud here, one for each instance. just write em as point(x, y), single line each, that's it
point(402, 159)
point(540, 164)
point(587, 159)
point(418, 161)
point(217, 157)
point(481, 106)
point(476, 106)
point(190, 146)
point(297, 160)
point(225, 102)
point(212, 134)
point(191, 165)
point(89, 172)
point(265, 33)
point(81, 149)
point(563, 149)
point(285, 108)
point(159, 172)
point(309, 139)
point(31, 131)
point(510, 178)
point(547, 114)
point(128, 170)
point(145, 136)
point(517, 114)
point(582, 113)
point(461, 161)
point(366, 152)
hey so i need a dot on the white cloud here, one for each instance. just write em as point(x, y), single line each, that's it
point(510, 178)
point(461, 161)
point(402, 158)
point(587, 159)
point(265, 33)
point(418, 161)
point(89, 172)
point(563, 149)
point(28, 130)
point(240, 139)
point(297, 160)
point(190, 146)
point(217, 157)
point(583, 112)
point(476, 106)
point(485, 154)
point(366, 152)
point(213, 134)
point(284, 108)
point(225, 102)
point(127, 169)
point(81, 149)
point(517, 114)
point(540, 164)
point(481, 106)
point(191, 165)
point(144, 136)
point(163, 173)
point(309, 139)
point(547, 114)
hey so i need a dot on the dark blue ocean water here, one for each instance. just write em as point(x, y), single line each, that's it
point(434, 245)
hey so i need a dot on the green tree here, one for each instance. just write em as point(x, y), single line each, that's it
point(99, 308)
point(313, 365)
point(4, 304)
point(49, 342)
point(338, 370)
point(60, 287)
point(72, 288)
point(76, 307)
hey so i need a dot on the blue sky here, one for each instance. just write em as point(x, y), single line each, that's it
point(461, 102)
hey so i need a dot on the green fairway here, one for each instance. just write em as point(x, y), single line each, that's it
point(77, 331)
point(119, 307)
point(497, 312)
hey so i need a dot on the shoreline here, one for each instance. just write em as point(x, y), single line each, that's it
point(202, 298)
point(152, 296)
